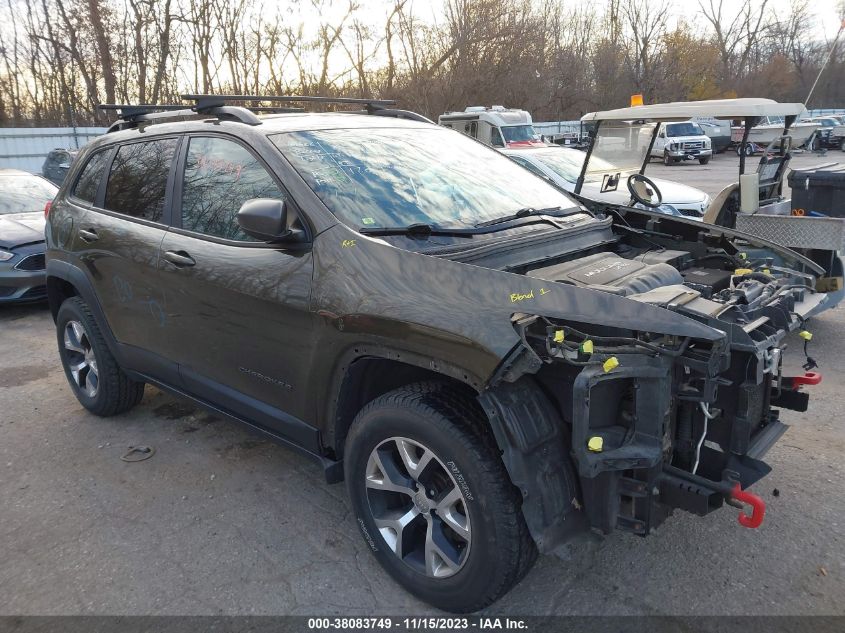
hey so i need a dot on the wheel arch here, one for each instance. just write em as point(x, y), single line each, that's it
point(527, 425)
point(64, 281)
point(365, 372)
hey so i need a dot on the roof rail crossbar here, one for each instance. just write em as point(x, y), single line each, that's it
point(206, 101)
point(130, 116)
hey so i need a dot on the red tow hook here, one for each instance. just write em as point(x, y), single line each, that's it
point(758, 507)
point(810, 378)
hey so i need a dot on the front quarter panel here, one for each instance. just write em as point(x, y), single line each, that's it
point(457, 316)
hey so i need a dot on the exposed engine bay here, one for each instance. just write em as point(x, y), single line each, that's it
point(660, 422)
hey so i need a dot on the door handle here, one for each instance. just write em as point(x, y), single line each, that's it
point(179, 258)
point(88, 235)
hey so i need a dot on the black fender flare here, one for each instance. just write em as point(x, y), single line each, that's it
point(60, 269)
point(535, 447)
point(361, 351)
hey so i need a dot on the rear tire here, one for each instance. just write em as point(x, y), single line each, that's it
point(94, 376)
point(490, 549)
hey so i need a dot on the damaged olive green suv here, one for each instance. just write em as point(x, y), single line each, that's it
point(493, 366)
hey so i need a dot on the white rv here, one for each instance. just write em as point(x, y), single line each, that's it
point(496, 126)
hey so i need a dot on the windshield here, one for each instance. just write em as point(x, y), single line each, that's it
point(518, 133)
point(24, 194)
point(567, 163)
point(619, 148)
point(683, 129)
point(400, 176)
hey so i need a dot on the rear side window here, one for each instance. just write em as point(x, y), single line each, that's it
point(89, 180)
point(138, 179)
point(220, 176)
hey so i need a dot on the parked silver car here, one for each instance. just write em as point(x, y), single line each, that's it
point(562, 165)
point(23, 198)
point(57, 163)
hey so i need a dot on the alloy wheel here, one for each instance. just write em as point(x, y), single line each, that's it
point(81, 360)
point(418, 507)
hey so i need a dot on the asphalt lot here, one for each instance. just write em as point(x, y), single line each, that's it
point(723, 169)
point(219, 521)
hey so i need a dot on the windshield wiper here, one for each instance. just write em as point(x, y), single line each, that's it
point(519, 213)
point(419, 229)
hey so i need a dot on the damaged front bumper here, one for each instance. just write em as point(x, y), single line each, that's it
point(653, 422)
point(662, 446)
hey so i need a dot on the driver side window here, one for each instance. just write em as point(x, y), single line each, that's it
point(220, 175)
point(496, 138)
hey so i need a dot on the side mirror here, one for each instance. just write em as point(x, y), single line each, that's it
point(662, 134)
point(266, 219)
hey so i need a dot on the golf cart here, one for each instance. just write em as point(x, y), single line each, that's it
point(754, 205)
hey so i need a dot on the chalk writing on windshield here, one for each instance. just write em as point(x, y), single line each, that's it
point(327, 167)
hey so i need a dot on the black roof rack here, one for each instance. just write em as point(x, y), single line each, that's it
point(132, 115)
point(205, 101)
point(371, 106)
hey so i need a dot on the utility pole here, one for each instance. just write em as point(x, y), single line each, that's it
point(826, 62)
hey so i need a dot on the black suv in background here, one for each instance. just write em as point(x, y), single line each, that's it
point(492, 366)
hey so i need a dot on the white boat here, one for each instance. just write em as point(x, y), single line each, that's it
point(771, 128)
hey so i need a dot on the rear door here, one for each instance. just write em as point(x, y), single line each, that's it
point(117, 240)
point(238, 315)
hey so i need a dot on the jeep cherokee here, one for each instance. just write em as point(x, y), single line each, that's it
point(493, 366)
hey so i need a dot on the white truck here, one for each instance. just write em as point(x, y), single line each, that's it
point(497, 126)
point(684, 140)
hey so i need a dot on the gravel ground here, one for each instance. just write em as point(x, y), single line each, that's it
point(220, 521)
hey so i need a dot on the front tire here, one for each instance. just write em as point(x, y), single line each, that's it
point(668, 160)
point(704, 161)
point(94, 376)
point(433, 499)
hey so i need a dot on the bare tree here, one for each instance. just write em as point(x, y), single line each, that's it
point(736, 36)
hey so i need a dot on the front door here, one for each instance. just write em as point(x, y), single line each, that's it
point(237, 310)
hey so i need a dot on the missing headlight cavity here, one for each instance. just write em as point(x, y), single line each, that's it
point(612, 413)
